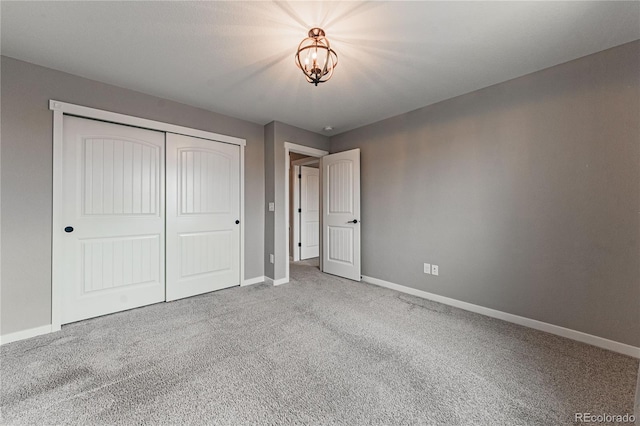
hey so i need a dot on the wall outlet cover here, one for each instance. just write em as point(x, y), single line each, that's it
point(272, 207)
point(271, 258)
point(434, 269)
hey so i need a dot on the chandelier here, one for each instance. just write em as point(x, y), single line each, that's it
point(316, 58)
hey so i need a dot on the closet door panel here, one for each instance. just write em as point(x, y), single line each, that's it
point(203, 205)
point(112, 239)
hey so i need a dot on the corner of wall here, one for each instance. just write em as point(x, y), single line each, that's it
point(269, 187)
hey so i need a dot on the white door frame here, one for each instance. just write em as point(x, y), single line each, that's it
point(299, 149)
point(296, 202)
point(296, 215)
point(61, 108)
point(306, 161)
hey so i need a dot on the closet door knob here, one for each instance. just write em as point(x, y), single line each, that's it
point(68, 229)
point(237, 222)
point(353, 221)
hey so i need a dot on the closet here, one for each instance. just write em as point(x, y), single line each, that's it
point(142, 216)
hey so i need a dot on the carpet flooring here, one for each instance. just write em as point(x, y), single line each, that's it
point(319, 350)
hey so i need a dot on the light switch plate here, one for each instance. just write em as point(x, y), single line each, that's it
point(427, 268)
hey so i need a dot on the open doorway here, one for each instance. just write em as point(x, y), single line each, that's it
point(303, 156)
point(304, 207)
point(340, 219)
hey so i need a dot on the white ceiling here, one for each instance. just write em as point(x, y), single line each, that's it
point(236, 58)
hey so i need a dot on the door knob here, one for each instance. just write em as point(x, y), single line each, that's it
point(237, 222)
point(68, 229)
point(353, 221)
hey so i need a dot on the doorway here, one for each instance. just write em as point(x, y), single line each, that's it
point(304, 210)
point(298, 151)
point(340, 186)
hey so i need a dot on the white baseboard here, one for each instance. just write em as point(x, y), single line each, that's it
point(271, 281)
point(281, 281)
point(25, 334)
point(590, 339)
point(251, 281)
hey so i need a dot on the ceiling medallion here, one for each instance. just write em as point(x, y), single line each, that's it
point(316, 58)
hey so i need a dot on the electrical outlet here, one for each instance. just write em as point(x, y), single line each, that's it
point(427, 268)
point(434, 270)
point(271, 258)
point(272, 207)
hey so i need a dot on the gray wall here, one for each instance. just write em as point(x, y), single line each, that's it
point(526, 194)
point(281, 133)
point(269, 195)
point(27, 167)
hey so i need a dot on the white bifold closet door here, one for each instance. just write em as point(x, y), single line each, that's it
point(203, 216)
point(111, 241)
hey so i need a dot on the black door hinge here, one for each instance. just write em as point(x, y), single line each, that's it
point(299, 210)
point(299, 244)
point(299, 176)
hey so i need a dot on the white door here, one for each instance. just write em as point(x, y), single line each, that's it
point(341, 214)
point(203, 212)
point(309, 212)
point(111, 240)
